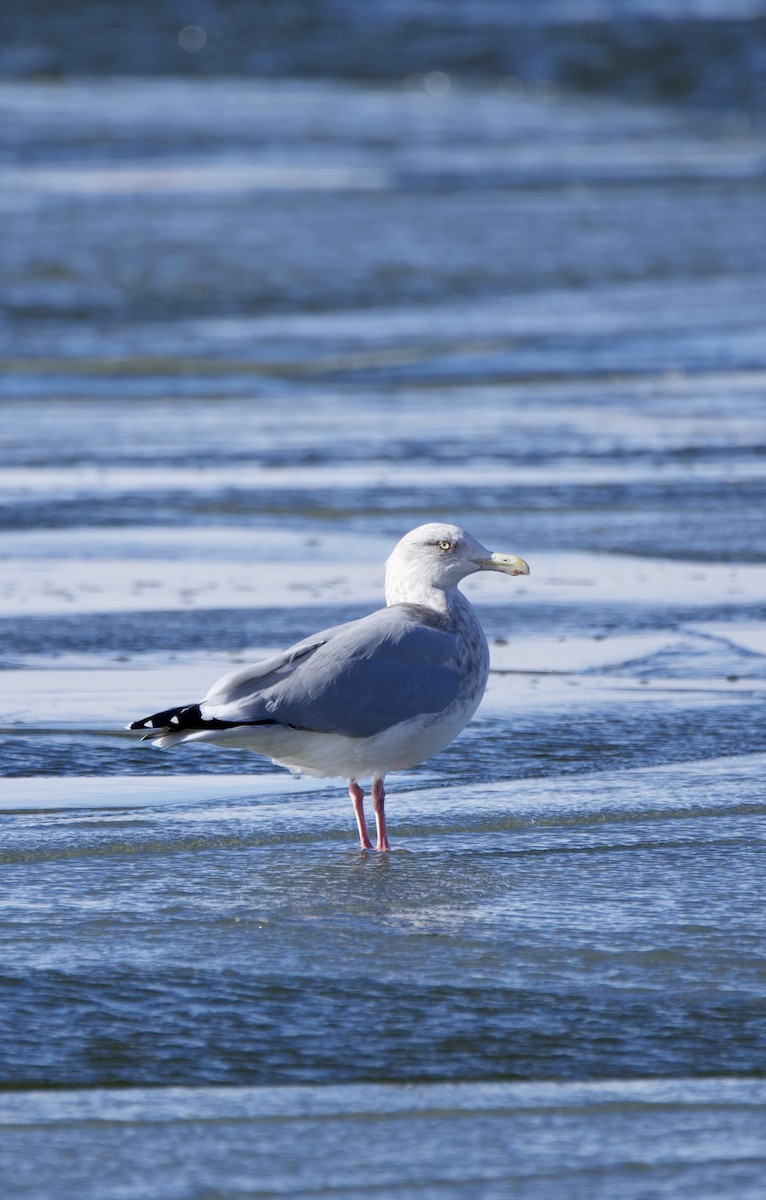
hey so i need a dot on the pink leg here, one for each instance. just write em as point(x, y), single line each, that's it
point(378, 804)
point(357, 798)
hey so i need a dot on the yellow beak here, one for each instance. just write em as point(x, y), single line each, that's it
point(509, 564)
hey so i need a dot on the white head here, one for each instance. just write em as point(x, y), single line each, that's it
point(436, 557)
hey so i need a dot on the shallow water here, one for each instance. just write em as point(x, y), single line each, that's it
point(253, 334)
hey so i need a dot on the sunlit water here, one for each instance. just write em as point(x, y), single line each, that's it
point(254, 334)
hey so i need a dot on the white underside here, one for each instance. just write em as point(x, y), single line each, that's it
point(331, 755)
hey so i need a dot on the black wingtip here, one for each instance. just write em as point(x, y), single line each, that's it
point(187, 716)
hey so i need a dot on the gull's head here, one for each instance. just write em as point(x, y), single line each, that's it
point(438, 556)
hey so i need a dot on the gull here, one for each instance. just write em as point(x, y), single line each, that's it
point(379, 694)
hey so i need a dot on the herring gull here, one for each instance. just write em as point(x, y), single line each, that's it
point(370, 696)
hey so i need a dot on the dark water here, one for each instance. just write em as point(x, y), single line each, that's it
point(705, 52)
point(253, 330)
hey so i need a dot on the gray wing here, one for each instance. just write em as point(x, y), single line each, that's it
point(356, 679)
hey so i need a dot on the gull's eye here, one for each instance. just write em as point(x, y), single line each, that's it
point(445, 545)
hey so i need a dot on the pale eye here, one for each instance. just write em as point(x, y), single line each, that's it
point(444, 545)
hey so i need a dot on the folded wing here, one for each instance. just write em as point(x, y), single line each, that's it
point(356, 679)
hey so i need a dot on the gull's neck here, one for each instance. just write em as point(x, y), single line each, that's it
point(409, 587)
